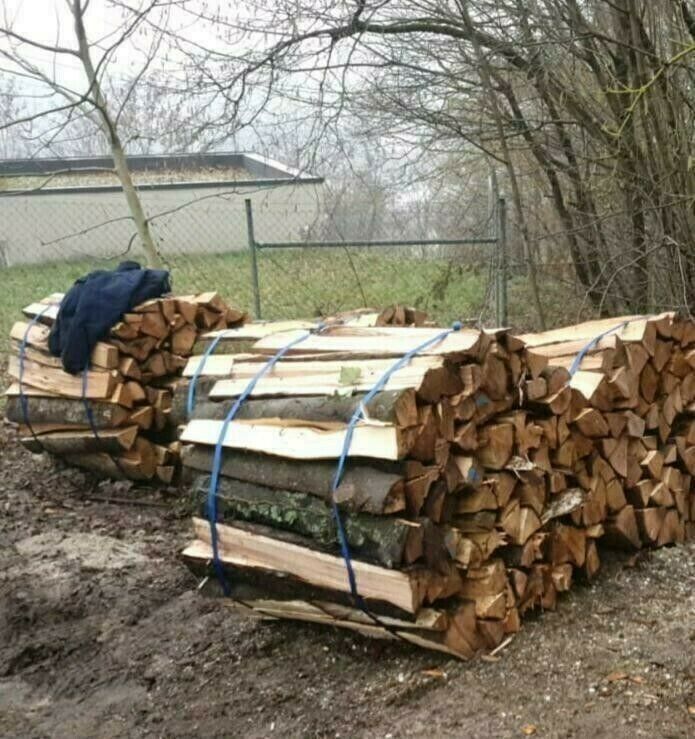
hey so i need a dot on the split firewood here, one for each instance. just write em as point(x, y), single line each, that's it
point(115, 398)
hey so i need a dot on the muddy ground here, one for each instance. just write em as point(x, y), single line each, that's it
point(103, 634)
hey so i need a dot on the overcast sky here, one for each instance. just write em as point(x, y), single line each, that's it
point(279, 132)
point(49, 22)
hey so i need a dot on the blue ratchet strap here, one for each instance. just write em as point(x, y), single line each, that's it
point(23, 401)
point(92, 422)
point(211, 505)
point(588, 347)
point(358, 415)
point(191, 398)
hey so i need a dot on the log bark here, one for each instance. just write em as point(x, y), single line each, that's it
point(65, 410)
point(246, 583)
point(397, 407)
point(376, 489)
point(378, 539)
point(112, 441)
point(406, 590)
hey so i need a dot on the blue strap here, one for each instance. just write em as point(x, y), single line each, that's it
point(191, 398)
point(358, 415)
point(23, 400)
point(588, 347)
point(211, 506)
point(92, 422)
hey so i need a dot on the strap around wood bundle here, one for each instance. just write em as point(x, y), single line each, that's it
point(357, 416)
point(191, 398)
point(92, 423)
point(576, 364)
point(217, 456)
point(24, 405)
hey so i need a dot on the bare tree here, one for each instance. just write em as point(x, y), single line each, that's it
point(70, 107)
point(586, 106)
point(11, 108)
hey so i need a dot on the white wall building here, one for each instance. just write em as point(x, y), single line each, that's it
point(66, 209)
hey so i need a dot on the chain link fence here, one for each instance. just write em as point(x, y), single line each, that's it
point(279, 253)
point(315, 276)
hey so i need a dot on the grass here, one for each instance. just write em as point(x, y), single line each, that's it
point(308, 282)
point(294, 283)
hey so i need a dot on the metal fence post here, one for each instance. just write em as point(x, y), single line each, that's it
point(254, 258)
point(502, 311)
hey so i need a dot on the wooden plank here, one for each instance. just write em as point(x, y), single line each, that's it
point(377, 342)
point(100, 385)
point(310, 378)
point(586, 331)
point(83, 442)
point(427, 619)
point(373, 439)
point(383, 540)
point(259, 330)
point(30, 392)
point(48, 428)
point(39, 356)
point(323, 570)
point(48, 314)
point(217, 365)
point(103, 355)
point(572, 348)
point(364, 367)
point(300, 611)
point(602, 361)
point(391, 407)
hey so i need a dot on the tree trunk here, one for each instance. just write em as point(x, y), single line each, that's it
point(109, 128)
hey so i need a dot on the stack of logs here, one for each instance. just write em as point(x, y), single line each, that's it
point(127, 389)
point(477, 486)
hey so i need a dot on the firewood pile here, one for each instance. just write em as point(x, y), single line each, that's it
point(479, 482)
point(115, 420)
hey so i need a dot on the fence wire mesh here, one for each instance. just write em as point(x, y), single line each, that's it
point(49, 240)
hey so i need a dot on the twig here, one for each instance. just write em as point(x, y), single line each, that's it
point(126, 501)
point(501, 646)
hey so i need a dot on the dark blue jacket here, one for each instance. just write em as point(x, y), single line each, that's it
point(97, 302)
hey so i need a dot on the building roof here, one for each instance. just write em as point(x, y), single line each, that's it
point(150, 171)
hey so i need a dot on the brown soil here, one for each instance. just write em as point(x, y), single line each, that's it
point(103, 634)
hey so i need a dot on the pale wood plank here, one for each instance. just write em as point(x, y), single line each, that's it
point(372, 439)
point(382, 341)
point(100, 385)
point(103, 355)
point(324, 378)
point(246, 549)
point(584, 332)
point(259, 329)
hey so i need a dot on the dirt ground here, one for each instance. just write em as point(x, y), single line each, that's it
point(103, 634)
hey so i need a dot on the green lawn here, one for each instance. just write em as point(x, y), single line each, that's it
point(294, 283)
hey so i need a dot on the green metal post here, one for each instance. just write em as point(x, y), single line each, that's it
point(254, 258)
point(502, 306)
